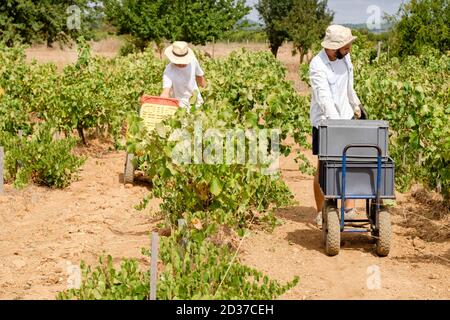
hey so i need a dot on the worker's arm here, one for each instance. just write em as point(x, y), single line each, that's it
point(165, 93)
point(201, 82)
point(167, 85)
point(199, 74)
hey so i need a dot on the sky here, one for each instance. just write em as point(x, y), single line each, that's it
point(350, 11)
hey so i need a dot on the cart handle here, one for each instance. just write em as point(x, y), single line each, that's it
point(344, 173)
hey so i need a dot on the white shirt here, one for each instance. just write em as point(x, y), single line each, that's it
point(333, 95)
point(183, 82)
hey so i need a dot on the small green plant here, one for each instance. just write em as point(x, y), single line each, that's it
point(40, 158)
point(107, 283)
point(201, 270)
point(193, 269)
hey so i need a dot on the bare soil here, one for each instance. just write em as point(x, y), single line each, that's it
point(418, 266)
point(43, 231)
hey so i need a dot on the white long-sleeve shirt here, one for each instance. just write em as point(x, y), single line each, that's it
point(333, 95)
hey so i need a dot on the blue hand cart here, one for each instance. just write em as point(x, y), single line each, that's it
point(363, 175)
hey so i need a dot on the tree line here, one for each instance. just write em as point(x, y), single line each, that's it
point(418, 24)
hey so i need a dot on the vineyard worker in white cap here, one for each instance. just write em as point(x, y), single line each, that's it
point(183, 75)
point(333, 95)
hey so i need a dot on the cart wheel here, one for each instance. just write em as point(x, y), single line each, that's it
point(128, 175)
point(332, 232)
point(327, 206)
point(383, 243)
point(324, 223)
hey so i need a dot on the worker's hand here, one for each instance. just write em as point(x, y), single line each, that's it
point(357, 112)
point(201, 82)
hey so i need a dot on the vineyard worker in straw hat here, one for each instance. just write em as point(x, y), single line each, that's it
point(183, 75)
point(333, 95)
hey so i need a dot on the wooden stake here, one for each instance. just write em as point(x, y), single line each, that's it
point(378, 50)
point(154, 265)
point(439, 186)
point(56, 136)
point(1, 169)
point(181, 223)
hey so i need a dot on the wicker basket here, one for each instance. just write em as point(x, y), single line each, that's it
point(155, 109)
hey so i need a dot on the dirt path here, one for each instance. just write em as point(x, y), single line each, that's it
point(43, 232)
point(415, 269)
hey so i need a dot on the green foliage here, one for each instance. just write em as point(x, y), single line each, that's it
point(211, 195)
point(127, 16)
point(40, 158)
point(245, 35)
point(254, 86)
point(413, 95)
point(193, 269)
point(302, 21)
point(246, 91)
point(107, 283)
point(36, 156)
point(196, 21)
point(202, 270)
point(370, 36)
point(132, 45)
point(92, 93)
point(24, 21)
point(273, 13)
point(246, 30)
point(421, 24)
point(306, 24)
point(224, 194)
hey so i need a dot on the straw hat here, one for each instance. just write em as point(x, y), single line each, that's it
point(337, 37)
point(179, 53)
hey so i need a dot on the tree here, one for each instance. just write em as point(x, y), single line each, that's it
point(128, 17)
point(306, 24)
point(195, 21)
point(273, 13)
point(200, 21)
point(28, 21)
point(421, 23)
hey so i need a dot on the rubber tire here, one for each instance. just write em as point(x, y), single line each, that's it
point(383, 243)
point(332, 232)
point(327, 205)
point(324, 222)
point(128, 175)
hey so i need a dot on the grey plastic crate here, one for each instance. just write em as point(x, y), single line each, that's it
point(334, 135)
point(361, 178)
